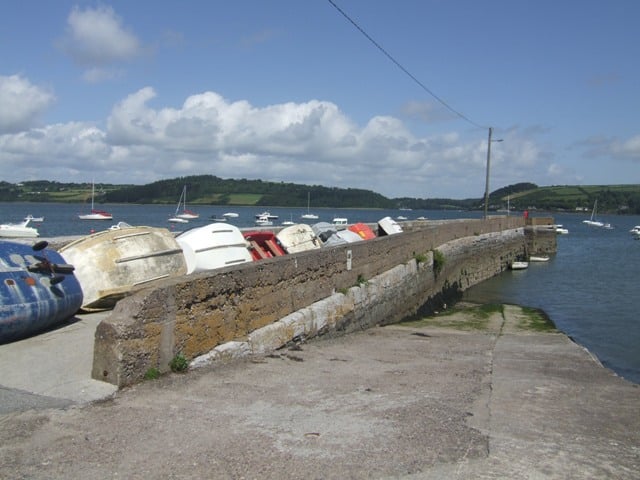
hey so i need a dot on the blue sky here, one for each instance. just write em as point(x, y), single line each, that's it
point(291, 90)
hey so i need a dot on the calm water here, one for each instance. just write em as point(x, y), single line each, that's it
point(589, 288)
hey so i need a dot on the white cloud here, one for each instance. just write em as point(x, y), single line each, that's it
point(612, 147)
point(96, 39)
point(311, 143)
point(21, 103)
point(629, 149)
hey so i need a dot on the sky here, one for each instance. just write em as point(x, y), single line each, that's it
point(393, 96)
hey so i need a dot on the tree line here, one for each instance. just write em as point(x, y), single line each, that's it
point(212, 190)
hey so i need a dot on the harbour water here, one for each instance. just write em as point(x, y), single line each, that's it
point(589, 288)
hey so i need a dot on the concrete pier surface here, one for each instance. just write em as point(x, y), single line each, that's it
point(411, 401)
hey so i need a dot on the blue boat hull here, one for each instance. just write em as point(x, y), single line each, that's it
point(37, 291)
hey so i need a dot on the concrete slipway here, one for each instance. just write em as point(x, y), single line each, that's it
point(414, 402)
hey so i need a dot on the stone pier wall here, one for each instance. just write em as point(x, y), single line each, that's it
point(263, 305)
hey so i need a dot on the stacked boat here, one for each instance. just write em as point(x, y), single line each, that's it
point(38, 290)
point(110, 263)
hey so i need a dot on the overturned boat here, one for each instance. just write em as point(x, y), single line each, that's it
point(388, 226)
point(298, 238)
point(110, 263)
point(213, 246)
point(38, 290)
point(263, 244)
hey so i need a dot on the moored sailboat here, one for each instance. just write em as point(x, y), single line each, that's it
point(95, 214)
point(309, 215)
point(184, 215)
point(593, 221)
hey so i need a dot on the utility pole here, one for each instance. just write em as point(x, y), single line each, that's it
point(486, 188)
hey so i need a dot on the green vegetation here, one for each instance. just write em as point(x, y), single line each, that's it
point(179, 363)
point(486, 318)
point(211, 190)
point(438, 262)
point(152, 374)
point(475, 318)
point(536, 320)
point(611, 198)
point(420, 257)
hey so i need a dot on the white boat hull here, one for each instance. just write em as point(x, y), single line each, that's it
point(298, 238)
point(519, 265)
point(539, 258)
point(212, 246)
point(95, 216)
point(388, 226)
point(110, 263)
point(18, 230)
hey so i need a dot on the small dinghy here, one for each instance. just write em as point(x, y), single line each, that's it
point(109, 264)
point(38, 290)
point(388, 226)
point(213, 246)
point(298, 238)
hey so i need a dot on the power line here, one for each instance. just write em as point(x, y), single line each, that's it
point(423, 86)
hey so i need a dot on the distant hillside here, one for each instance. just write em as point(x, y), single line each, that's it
point(611, 198)
point(211, 190)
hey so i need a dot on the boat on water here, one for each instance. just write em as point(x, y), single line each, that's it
point(38, 290)
point(18, 230)
point(340, 223)
point(31, 218)
point(593, 221)
point(559, 229)
point(298, 238)
point(519, 265)
point(267, 214)
point(263, 244)
point(539, 258)
point(230, 215)
point(110, 263)
point(183, 214)
point(213, 246)
point(94, 213)
point(264, 221)
point(309, 215)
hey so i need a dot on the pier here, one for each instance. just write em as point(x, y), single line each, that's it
point(398, 401)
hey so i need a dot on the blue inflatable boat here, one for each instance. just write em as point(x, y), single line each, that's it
point(38, 290)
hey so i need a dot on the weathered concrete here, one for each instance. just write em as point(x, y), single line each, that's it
point(52, 369)
point(424, 401)
point(193, 315)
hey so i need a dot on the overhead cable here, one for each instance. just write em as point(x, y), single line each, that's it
point(424, 87)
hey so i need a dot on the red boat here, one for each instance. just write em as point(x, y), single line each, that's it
point(263, 245)
point(363, 230)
